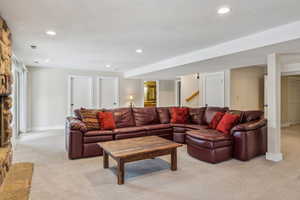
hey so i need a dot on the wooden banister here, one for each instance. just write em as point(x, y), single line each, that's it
point(192, 96)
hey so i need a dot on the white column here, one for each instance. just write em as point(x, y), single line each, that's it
point(274, 108)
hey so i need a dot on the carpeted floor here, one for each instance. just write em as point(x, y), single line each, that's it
point(57, 178)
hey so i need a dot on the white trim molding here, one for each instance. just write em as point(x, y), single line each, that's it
point(46, 128)
point(276, 157)
point(177, 97)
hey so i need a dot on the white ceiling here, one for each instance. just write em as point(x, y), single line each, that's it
point(91, 34)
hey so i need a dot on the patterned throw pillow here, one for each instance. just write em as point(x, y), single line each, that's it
point(90, 118)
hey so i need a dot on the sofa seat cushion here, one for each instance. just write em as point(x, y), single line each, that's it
point(157, 126)
point(129, 129)
point(99, 132)
point(98, 138)
point(178, 125)
point(126, 135)
point(209, 135)
point(196, 126)
point(208, 144)
point(165, 131)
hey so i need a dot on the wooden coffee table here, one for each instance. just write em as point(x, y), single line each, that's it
point(129, 150)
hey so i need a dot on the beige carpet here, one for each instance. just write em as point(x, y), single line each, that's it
point(57, 178)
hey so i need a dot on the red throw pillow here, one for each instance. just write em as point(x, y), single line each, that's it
point(215, 120)
point(106, 120)
point(227, 123)
point(179, 115)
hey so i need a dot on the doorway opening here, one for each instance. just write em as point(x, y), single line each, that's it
point(178, 92)
point(290, 100)
point(150, 94)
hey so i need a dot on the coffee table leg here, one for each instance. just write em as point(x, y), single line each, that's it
point(174, 160)
point(105, 160)
point(120, 172)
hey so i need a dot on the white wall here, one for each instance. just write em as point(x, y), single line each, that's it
point(166, 93)
point(247, 88)
point(48, 95)
point(189, 85)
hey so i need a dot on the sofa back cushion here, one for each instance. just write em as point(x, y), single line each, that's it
point(237, 112)
point(164, 115)
point(210, 113)
point(197, 115)
point(145, 116)
point(90, 118)
point(123, 117)
point(252, 115)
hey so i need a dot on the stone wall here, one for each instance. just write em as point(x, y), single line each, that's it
point(6, 81)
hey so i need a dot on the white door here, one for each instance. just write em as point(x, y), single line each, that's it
point(266, 96)
point(214, 89)
point(80, 92)
point(108, 92)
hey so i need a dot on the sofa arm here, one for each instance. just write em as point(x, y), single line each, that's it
point(249, 126)
point(76, 124)
point(74, 131)
point(250, 139)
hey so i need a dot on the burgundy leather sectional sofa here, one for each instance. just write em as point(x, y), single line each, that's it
point(248, 138)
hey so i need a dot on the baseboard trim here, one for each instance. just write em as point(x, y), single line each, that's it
point(285, 125)
point(46, 128)
point(288, 124)
point(276, 157)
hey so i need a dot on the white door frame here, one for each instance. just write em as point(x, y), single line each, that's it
point(90, 79)
point(117, 90)
point(204, 75)
point(176, 93)
point(157, 92)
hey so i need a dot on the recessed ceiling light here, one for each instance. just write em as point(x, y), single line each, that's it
point(50, 32)
point(47, 60)
point(223, 10)
point(33, 46)
point(107, 66)
point(139, 50)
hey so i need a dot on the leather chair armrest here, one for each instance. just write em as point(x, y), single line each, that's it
point(76, 124)
point(74, 137)
point(250, 126)
point(250, 139)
